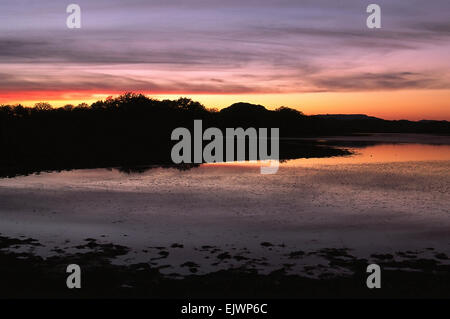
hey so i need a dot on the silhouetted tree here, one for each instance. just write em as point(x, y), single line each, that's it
point(133, 129)
point(43, 106)
point(189, 105)
point(82, 106)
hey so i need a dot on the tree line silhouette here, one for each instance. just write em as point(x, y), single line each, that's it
point(132, 130)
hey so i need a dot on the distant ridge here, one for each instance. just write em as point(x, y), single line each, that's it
point(432, 121)
point(246, 110)
point(346, 116)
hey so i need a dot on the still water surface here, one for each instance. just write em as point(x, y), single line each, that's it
point(389, 196)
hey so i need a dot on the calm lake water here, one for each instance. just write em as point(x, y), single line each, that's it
point(382, 153)
point(389, 196)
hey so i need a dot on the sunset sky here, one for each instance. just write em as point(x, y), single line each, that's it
point(315, 55)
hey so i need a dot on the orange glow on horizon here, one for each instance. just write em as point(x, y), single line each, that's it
point(391, 105)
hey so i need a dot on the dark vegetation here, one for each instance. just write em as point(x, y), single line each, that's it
point(133, 130)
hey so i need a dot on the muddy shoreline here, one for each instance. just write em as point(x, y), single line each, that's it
point(405, 275)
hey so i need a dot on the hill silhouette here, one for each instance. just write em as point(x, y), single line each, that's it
point(244, 108)
point(134, 130)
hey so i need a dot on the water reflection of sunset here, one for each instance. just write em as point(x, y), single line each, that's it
point(382, 153)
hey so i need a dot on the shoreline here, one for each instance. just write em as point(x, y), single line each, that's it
point(216, 231)
point(405, 274)
point(288, 150)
